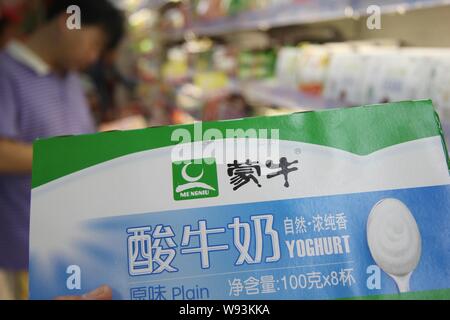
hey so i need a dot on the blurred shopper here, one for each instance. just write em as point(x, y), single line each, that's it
point(41, 96)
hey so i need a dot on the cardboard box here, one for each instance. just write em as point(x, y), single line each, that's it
point(343, 203)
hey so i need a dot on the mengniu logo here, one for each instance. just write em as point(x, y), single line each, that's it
point(195, 179)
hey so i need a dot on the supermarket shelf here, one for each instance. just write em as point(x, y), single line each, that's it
point(174, 35)
point(154, 4)
point(404, 6)
point(262, 92)
point(293, 14)
point(269, 92)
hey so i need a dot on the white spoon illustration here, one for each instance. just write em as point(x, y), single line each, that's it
point(394, 240)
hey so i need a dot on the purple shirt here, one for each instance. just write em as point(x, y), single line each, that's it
point(32, 105)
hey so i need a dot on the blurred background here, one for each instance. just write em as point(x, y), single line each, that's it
point(203, 60)
point(191, 60)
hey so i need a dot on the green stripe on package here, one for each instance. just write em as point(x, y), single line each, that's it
point(337, 204)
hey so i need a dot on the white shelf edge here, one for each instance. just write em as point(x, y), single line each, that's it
point(270, 93)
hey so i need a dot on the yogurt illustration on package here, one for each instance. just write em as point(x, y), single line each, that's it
point(394, 240)
point(171, 213)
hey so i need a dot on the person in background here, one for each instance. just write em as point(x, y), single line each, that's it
point(41, 96)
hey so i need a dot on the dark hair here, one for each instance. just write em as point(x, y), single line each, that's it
point(2, 24)
point(100, 13)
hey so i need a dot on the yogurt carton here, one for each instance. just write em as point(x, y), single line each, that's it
point(341, 203)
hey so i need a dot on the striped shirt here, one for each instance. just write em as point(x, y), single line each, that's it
point(34, 103)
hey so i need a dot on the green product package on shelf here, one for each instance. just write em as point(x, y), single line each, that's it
point(350, 203)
